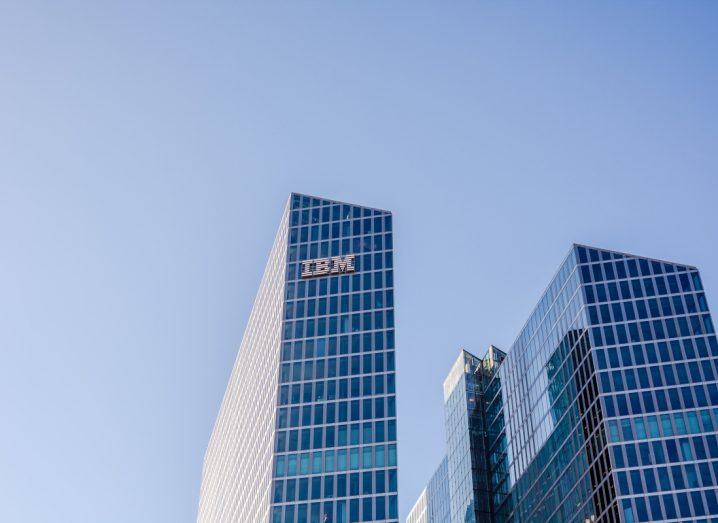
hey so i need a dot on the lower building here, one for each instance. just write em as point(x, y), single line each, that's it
point(605, 408)
point(437, 493)
point(433, 503)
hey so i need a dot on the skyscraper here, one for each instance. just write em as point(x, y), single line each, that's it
point(604, 408)
point(466, 441)
point(307, 427)
point(465, 450)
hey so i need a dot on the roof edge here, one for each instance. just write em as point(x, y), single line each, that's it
point(339, 202)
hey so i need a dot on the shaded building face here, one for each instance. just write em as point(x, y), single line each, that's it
point(317, 443)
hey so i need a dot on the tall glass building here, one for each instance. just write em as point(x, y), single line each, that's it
point(465, 441)
point(307, 429)
point(606, 406)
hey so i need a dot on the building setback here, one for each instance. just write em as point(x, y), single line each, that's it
point(307, 427)
point(604, 408)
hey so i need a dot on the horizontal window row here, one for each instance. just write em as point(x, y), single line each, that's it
point(342, 366)
point(631, 289)
point(651, 308)
point(658, 376)
point(661, 352)
point(332, 436)
point(665, 425)
point(339, 324)
point(377, 509)
point(368, 457)
point(341, 485)
point(660, 452)
point(650, 480)
point(327, 413)
point(357, 302)
point(661, 400)
point(610, 271)
point(334, 229)
point(347, 283)
point(328, 211)
point(634, 332)
point(368, 341)
point(330, 230)
point(635, 265)
point(357, 246)
point(300, 201)
point(321, 347)
point(670, 506)
point(309, 392)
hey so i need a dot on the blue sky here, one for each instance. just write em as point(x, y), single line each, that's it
point(147, 149)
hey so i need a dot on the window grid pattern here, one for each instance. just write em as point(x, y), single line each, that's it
point(656, 356)
point(335, 457)
point(604, 409)
point(437, 492)
point(462, 412)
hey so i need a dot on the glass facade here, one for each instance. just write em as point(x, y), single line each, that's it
point(418, 513)
point(465, 447)
point(604, 408)
point(655, 352)
point(332, 453)
point(433, 504)
point(437, 493)
point(547, 454)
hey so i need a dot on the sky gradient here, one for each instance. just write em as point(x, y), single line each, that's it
point(147, 150)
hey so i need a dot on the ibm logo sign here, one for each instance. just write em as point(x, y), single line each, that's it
point(324, 266)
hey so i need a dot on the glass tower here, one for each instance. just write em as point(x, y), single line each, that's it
point(466, 436)
point(437, 493)
point(464, 440)
point(307, 428)
point(605, 408)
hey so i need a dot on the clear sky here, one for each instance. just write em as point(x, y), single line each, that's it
point(147, 150)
